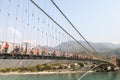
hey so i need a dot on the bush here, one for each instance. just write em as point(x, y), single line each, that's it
point(81, 64)
point(46, 67)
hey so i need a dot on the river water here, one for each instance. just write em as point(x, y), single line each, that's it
point(90, 76)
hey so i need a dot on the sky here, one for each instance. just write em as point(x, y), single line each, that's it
point(97, 21)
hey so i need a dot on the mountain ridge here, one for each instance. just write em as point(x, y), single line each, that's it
point(100, 46)
point(105, 47)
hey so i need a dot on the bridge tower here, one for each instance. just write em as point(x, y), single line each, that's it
point(114, 59)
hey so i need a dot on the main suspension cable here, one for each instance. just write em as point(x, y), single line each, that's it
point(60, 26)
point(73, 25)
point(95, 51)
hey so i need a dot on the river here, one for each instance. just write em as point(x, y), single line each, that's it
point(90, 76)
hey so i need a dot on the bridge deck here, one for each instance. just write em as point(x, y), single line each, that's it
point(26, 56)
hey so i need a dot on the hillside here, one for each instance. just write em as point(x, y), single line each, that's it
point(114, 52)
point(98, 46)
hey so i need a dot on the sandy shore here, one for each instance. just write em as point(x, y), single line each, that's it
point(44, 72)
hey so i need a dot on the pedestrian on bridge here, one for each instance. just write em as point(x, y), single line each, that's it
point(6, 47)
point(0, 48)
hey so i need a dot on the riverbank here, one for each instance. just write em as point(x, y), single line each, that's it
point(68, 76)
point(43, 72)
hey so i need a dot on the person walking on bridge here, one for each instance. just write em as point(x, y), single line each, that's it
point(0, 49)
point(6, 47)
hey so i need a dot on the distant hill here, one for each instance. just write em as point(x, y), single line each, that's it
point(108, 49)
point(98, 46)
point(114, 52)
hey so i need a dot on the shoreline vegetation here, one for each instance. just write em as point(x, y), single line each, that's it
point(56, 68)
point(45, 69)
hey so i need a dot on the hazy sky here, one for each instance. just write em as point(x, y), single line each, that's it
point(97, 20)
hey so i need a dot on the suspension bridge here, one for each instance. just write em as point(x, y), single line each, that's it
point(38, 30)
